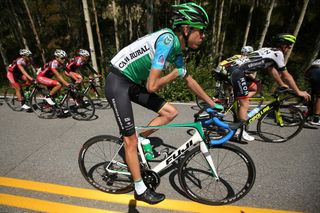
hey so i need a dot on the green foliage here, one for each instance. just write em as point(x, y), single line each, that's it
point(60, 24)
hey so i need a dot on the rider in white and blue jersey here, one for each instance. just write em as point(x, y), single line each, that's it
point(137, 73)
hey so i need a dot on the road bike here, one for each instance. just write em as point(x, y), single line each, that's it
point(212, 172)
point(79, 105)
point(278, 120)
point(95, 91)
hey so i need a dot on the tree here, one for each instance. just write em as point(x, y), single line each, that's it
point(98, 32)
point(296, 31)
point(266, 24)
point(149, 16)
point(19, 26)
point(35, 31)
point(115, 23)
point(248, 23)
point(89, 32)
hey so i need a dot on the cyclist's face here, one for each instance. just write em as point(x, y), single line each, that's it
point(285, 48)
point(196, 38)
point(61, 60)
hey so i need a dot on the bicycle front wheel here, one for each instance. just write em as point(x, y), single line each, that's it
point(280, 124)
point(11, 99)
point(80, 106)
point(236, 172)
point(101, 162)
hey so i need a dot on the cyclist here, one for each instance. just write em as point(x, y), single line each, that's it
point(79, 66)
point(312, 74)
point(144, 61)
point(19, 71)
point(270, 59)
point(51, 69)
point(223, 73)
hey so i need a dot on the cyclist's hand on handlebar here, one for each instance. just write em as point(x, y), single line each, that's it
point(33, 81)
point(218, 107)
point(305, 95)
point(71, 86)
point(216, 100)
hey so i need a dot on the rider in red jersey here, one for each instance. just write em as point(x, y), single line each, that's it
point(79, 67)
point(18, 72)
point(51, 69)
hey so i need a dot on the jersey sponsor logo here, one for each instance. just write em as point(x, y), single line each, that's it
point(253, 64)
point(161, 59)
point(133, 55)
point(168, 39)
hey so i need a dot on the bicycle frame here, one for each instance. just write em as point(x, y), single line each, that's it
point(198, 138)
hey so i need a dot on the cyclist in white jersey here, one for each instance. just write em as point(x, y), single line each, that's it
point(137, 73)
point(270, 59)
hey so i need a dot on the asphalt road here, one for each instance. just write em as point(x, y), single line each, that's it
point(38, 164)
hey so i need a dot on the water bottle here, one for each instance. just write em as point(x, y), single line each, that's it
point(147, 148)
point(58, 98)
point(253, 112)
point(27, 95)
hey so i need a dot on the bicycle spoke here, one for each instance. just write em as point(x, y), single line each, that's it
point(101, 161)
point(235, 170)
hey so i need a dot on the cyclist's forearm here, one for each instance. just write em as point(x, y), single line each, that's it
point(276, 76)
point(155, 81)
point(287, 77)
point(197, 89)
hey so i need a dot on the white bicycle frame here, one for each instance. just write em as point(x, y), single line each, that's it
point(194, 140)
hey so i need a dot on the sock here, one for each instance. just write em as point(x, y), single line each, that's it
point(139, 187)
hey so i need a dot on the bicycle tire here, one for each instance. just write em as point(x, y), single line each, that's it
point(11, 99)
point(234, 166)
point(40, 106)
point(93, 158)
point(269, 129)
point(80, 106)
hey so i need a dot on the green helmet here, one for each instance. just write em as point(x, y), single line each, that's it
point(189, 14)
point(284, 38)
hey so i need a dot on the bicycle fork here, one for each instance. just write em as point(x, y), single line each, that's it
point(207, 155)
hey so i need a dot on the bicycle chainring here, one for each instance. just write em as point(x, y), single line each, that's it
point(151, 179)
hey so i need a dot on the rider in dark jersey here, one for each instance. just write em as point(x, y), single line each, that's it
point(270, 59)
point(312, 74)
point(137, 73)
point(19, 71)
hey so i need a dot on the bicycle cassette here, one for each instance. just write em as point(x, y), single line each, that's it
point(151, 179)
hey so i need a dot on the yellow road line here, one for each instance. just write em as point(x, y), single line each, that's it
point(45, 206)
point(126, 199)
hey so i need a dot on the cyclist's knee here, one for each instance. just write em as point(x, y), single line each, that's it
point(169, 112)
point(131, 142)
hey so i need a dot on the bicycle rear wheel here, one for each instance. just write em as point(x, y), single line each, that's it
point(40, 106)
point(270, 129)
point(11, 99)
point(100, 153)
point(235, 169)
point(80, 106)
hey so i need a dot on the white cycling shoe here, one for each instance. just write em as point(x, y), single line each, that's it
point(49, 101)
point(245, 135)
point(25, 106)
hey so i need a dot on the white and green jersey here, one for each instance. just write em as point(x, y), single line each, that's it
point(151, 51)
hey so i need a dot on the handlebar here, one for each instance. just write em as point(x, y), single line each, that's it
point(212, 118)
